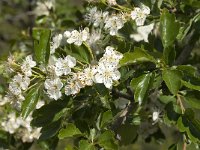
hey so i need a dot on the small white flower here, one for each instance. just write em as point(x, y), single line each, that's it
point(142, 33)
point(73, 85)
point(27, 65)
point(111, 56)
point(140, 14)
point(106, 74)
point(77, 37)
point(114, 23)
point(43, 8)
point(56, 41)
point(53, 87)
point(87, 76)
point(63, 66)
point(19, 83)
point(96, 17)
point(155, 116)
point(111, 2)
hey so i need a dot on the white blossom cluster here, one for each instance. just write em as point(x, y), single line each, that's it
point(21, 81)
point(71, 37)
point(106, 72)
point(114, 22)
point(111, 23)
point(21, 128)
point(140, 14)
point(43, 8)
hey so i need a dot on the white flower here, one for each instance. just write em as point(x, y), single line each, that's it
point(27, 65)
point(94, 37)
point(51, 66)
point(19, 83)
point(96, 17)
point(4, 100)
point(43, 8)
point(155, 115)
point(106, 74)
point(87, 76)
point(53, 87)
point(114, 23)
point(111, 2)
point(11, 124)
point(77, 37)
point(140, 14)
point(142, 33)
point(73, 85)
point(56, 41)
point(63, 66)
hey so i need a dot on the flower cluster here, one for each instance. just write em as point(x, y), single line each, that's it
point(21, 128)
point(77, 37)
point(62, 72)
point(20, 82)
point(111, 23)
point(140, 14)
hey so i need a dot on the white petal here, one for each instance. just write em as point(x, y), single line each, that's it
point(116, 75)
point(98, 78)
point(108, 83)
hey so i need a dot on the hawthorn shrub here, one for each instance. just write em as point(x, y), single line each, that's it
point(104, 74)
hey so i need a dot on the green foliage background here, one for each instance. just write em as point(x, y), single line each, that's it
point(179, 30)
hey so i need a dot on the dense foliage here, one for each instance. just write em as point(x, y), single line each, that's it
point(101, 74)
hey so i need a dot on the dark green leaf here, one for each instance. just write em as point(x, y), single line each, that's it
point(139, 55)
point(50, 112)
point(30, 101)
point(190, 86)
point(172, 79)
point(141, 85)
point(169, 28)
point(127, 133)
point(41, 44)
point(70, 131)
point(50, 130)
point(189, 124)
point(193, 99)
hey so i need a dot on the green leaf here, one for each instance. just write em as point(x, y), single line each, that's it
point(85, 145)
point(141, 85)
point(70, 131)
point(190, 86)
point(139, 55)
point(188, 70)
point(127, 133)
point(106, 140)
point(189, 124)
point(193, 99)
point(186, 28)
point(169, 28)
point(50, 112)
point(30, 101)
point(106, 118)
point(173, 147)
point(50, 130)
point(173, 111)
point(167, 98)
point(42, 44)
point(172, 79)
point(169, 55)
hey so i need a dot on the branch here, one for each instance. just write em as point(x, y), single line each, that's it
point(120, 119)
point(123, 95)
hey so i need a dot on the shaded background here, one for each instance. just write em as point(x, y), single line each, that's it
point(16, 21)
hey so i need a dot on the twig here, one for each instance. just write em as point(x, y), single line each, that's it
point(123, 95)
